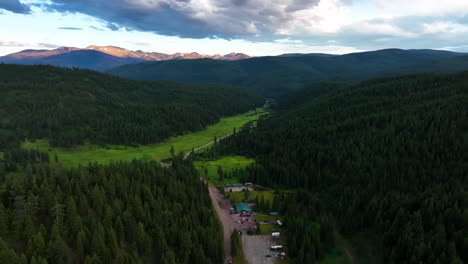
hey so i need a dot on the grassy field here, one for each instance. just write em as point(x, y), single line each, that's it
point(238, 197)
point(267, 218)
point(267, 229)
point(228, 164)
point(91, 153)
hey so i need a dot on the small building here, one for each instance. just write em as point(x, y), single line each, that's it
point(242, 207)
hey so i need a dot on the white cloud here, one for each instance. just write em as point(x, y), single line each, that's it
point(383, 27)
point(42, 45)
point(289, 41)
point(439, 27)
point(424, 7)
point(328, 16)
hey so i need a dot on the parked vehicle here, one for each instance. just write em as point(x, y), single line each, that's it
point(275, 234)
point(275, 248)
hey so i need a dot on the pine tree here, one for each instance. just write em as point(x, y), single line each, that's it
point(57, 248)
point(172, 151)
point(3, 219)
point(220, 173)
point(73, 220)
point(143, 240)
point(81, 243)
point(235, 243)
point(119, 229)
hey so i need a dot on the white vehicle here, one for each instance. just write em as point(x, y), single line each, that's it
point(275, 234)
point(279, 222)
point(278, 247)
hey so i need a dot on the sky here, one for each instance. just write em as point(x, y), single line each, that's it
point(254, 27)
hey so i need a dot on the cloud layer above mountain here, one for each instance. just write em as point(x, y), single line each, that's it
point(203, 18)
point(361, 24)
point(269, 19)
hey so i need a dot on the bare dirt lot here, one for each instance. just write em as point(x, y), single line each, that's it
point(256, 248)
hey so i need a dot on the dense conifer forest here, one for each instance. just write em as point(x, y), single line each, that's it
point(387, 156)
point(134, 212)
point(71, 106)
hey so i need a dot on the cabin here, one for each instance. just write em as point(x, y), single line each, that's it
point(242, 207)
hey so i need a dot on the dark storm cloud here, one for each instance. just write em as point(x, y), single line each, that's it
point(191, 18)
point(297, 5)
point(112, 26)
point(14, 6)
point(239, 2)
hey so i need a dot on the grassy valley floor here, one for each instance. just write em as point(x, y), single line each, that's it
point(83, 155)
point(209, 169)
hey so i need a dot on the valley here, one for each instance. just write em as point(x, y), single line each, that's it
point(233, 132)
point(82, 155)
point(337, 169)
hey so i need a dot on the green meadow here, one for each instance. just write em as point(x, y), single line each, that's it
point(82, 155)
point(209, 169)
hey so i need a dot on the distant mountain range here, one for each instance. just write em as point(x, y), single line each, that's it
point(273, 76)
point(103, 57)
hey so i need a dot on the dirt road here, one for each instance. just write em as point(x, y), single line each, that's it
point(226, 220)
point(204, 146)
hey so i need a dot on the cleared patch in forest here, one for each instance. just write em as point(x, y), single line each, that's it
point(266, 226)
point(209, 169)
point(83, 155)
point(250, 196)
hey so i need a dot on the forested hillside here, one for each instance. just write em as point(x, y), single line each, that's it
point(135, 212)
point(388, 156)
point(71, 106)
point(276, 76)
